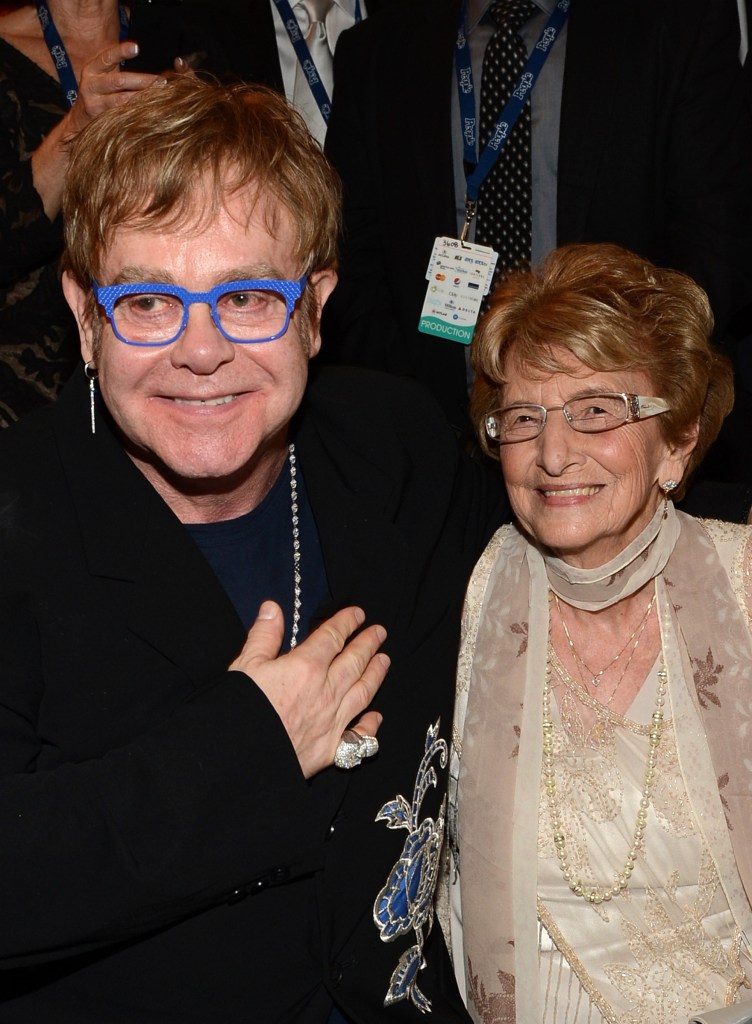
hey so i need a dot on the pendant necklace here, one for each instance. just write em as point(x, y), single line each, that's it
point(636, 635)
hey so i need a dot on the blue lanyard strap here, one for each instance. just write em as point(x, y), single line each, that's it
point(463, 67)
point(302, 52)
point(59, 54)
point(512, 110)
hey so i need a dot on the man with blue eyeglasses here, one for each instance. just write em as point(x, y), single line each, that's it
point(222, 577)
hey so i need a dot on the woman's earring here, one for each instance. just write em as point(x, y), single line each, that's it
point(92, 373)
point(667, 487)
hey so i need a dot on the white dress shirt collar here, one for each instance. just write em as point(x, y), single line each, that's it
point(478, 8)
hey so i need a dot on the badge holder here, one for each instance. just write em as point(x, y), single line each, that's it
point(459, 272)
point(459, 277)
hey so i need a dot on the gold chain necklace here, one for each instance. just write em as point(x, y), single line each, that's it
point(636, 635)
point(597, 893)
point(602, 711)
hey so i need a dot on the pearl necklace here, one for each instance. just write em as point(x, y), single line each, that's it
point(295, 546)
point(599, 894)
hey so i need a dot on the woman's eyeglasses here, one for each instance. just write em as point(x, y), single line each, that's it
point(590, 414)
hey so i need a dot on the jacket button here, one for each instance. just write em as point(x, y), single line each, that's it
point(335, 974)
point(335, 822)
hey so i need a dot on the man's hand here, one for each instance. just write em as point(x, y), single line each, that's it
point(318, 688)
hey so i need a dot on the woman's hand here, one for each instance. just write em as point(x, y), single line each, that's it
point(318, 688)
point(101, 85)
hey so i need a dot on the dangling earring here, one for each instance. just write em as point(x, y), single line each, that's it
point(92, 373)
point(667, 487)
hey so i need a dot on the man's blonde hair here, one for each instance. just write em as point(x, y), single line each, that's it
point(173, 153)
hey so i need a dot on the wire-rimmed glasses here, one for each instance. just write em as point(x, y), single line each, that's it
point(588, 414)
point(245, 312)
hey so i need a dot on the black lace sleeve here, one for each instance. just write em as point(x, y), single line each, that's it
point(38, 338)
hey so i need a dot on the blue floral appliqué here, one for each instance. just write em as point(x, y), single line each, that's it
point(406, 901)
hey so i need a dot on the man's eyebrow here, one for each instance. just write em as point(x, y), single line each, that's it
point(142, 275)
point(134, 274)
point(252, 272)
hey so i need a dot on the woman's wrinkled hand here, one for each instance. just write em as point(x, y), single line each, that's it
point(104, 84)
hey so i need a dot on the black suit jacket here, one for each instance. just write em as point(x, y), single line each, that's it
point(231, 39)
point(244, 31)
point(654, 154)
point(163, 859)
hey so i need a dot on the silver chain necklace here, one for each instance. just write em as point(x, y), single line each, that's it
point(295, 546)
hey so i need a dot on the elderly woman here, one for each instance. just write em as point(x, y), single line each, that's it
point(601, 852)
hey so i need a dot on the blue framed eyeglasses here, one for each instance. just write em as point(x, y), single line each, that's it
point(245, 312)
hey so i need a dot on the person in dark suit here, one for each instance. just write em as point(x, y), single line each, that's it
point(251, 37)
point(178, 844)
point(653, 153)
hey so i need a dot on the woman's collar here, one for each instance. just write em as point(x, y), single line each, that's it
point(642, 559)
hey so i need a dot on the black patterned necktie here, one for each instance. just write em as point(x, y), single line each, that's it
point(505, 204)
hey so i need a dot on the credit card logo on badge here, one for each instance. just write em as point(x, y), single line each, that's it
point(473, 284)
point(441, 277)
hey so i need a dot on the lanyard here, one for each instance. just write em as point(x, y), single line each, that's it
point(323, 101)
point(508, 117)
point(59, 54)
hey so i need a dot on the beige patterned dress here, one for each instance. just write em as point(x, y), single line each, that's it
point(667, 948)
point(671, 946)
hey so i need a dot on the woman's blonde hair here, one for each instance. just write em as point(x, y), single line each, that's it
point(611, 310)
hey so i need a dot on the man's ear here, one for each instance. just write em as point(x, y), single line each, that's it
point(323, 283)
point(79, 302)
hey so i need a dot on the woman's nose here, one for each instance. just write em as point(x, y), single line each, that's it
point(559, 446)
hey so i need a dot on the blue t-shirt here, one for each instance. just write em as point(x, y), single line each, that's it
point(252, 556)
